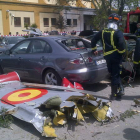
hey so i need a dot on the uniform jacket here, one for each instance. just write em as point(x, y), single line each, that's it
point(112, 41)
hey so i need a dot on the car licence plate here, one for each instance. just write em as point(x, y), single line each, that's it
point(99, 62)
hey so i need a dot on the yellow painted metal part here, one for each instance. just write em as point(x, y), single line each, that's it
point(100, 114)
point(78, 114)
point(86, 108)
point(90, 97)
point(60, 118)
point(49, 131)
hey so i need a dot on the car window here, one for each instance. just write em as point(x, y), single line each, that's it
point(73, 44)
point(99, 43)
point(4, 41)
point(21, 48)
point(39, 46)
point(14, 40)
point(0, 40)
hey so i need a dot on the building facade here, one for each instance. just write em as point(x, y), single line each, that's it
point(16, 15)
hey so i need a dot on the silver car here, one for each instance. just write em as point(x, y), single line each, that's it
point(7, 42)
point(49, 59)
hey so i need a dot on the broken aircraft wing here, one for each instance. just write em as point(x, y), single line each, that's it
point(25, 102)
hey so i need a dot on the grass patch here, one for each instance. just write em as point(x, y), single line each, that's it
point(127, 114)
point(5, 119)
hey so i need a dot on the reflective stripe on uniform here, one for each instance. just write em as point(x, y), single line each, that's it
point(103, 40)
point(121, 51)
point(94, 48)
point(135, 62)
point(109, 52)
point(112, 40)
point(112, 43)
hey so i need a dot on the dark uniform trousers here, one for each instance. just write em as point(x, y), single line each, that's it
point(114, 62)
point(137, 52)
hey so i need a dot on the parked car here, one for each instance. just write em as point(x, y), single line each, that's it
point(8, 41)
point(87, 33)
point(49, 59)
point(53, 32)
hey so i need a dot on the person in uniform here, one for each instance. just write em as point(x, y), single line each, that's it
point(113, 49)
point(136, 61)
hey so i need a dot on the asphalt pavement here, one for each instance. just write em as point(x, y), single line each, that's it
point(127, 129)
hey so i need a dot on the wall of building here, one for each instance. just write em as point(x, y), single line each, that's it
point(73, 14)
point(20, 14)
point(86, 3)
point(33, 1)
point(47, 15)
point(1, 24)
point(50, 1)
point(38, 11)
point(14, 8)
point(72, 3)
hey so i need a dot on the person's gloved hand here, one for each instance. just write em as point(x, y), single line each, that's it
point(94, 52)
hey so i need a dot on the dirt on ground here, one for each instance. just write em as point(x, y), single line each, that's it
point(127, 128)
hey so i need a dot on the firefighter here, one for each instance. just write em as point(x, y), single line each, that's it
point(113, 48)
point(137, 48)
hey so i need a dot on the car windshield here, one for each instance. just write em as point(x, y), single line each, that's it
point(73, 44)
point(14, 40)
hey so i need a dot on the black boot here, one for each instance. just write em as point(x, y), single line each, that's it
point(120, 90)
point(113, 92)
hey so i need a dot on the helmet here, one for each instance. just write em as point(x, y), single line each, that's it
point(114, 18)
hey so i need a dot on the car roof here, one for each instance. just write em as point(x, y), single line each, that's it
point(12, 36)
point(56, 37)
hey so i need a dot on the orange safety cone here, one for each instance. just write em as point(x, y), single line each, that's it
point(12, 76)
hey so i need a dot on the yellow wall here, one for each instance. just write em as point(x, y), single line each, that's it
point(1, 24)
point(35, 9)
point(34, 1)
point(20, 8)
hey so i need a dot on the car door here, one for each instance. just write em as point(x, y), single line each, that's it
point(36, 58)
point(12, 61)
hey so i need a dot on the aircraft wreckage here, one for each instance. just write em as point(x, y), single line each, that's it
point(46, 106)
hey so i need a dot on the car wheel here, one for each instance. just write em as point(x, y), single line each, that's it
point(51, 77)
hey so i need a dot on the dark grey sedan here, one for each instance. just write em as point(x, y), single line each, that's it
point(49, 59)
point(7, 42)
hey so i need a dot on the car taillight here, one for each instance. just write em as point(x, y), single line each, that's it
point(89, 60)
point(77, 61)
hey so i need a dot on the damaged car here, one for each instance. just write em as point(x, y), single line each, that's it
point(49, 59)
